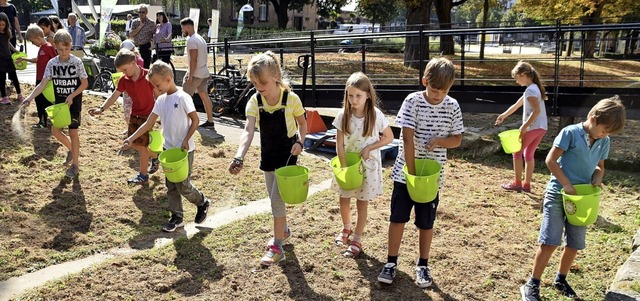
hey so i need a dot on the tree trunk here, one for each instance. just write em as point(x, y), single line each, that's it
point(281, 7)
point(570, 44)
point(443, 10)
point(416, 15)
point(483, 36)
point(590, 39)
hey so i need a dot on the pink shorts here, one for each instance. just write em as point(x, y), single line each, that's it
point(530, 142)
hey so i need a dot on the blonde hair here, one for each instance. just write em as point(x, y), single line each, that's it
point(611, 113)
point(528, 70)
point(62, 36)
point(124, 56)
point(440, 73)
point(266, 65)
point(160, 68)
point(34, 31)
point(361, 82)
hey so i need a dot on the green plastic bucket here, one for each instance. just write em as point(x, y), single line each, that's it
point(582, 209)
point(351, 176)
point(510, 141)
point(48, 92)
point(293, 183)
point(156, 141)
point(175, 164)
point(423, 186)
point(22, 65)
point(116, 77)
point(59, 115)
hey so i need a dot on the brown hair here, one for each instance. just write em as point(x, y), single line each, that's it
point(440, 73)
point(528, 70)
point(266, 64)
point(124, 56)
point(7, 27)
point(611, 113)
point(361, 82)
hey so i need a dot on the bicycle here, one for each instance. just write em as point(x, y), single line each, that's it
point(103, 82)
point(229, 90)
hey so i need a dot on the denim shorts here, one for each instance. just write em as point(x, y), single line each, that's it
point(401, 205)
point(553, 221)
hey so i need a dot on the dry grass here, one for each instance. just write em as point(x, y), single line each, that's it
point(484, 242)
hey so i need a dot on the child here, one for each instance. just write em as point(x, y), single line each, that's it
point(135, 83)
point(45, 53)
point(534, 123)
point(431, 122)
point(179, 121)
point(127, 102)
point(359, 127)
point(276, 110)
point(6, 63)
point(47, 27)
point(69, 80)
point(577, 157)
point(128, 44)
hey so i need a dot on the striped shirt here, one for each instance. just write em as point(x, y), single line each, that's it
point(294, 109)
point(428, 121)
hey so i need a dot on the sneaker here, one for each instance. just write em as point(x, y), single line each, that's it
point(73, 171)
point(69, 158)
point(388, 273)
point(201, 215)
point(139, 179)
point(207, 124)
point(38, 126)
point(287, 235)
point(565, 289)
point(155, 164)
point(5, 101)
point(511, 187)
point(423, 277)
point(174, 223)
point(274, 255)
point(530, 292)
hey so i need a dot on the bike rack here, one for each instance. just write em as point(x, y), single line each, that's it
point(303, 62)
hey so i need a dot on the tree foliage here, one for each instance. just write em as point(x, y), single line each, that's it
point(329, 8)
point(379, 11)
point(472, 11)
point(26, 7)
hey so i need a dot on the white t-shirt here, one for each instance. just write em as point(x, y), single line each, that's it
point(541, 121)
point(127, 26)
point(197, 42)
point(428, 121)
point(173, 110)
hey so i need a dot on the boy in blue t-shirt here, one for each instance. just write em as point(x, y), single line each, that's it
point(69, 78)
point(577, 157)
point(431, 123)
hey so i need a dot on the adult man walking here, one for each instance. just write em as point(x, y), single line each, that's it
point(197, 72)
point(76, 31)
point(142, 30)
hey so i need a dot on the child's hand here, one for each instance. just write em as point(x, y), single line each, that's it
point(95, 111)
point(431, 144)
point(500, 119)
point(296, 149)
point(523, 130)
point(19, 60)
point(26, 102)
point(570, 190)
point(365, 153)
point(126, 144)
point(69, 100)
point(236, 166)
point(185, 145)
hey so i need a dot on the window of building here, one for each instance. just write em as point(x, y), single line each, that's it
point(263, 12)
point(234, 11)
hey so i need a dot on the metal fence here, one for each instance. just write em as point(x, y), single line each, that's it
point(574, 82)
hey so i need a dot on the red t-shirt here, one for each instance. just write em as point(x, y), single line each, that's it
point(141, 93)
point(45, 53)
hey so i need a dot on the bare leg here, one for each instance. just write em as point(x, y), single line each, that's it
point(426, 236)
point(58, 134)
point(75, 145)
point(362, 216)
point(395, 238)
point(517, 167)
point(568, 256)
point(345, 211)
point(143, 158)
point(279, 223)
point(528, 171)
point(541, 260)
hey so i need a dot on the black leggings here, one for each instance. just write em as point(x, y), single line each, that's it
point(41, 104)
point(3, 82)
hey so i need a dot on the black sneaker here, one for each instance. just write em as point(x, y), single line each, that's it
point(153, 167)
point(201, 215)
point(208, 124)
point(174, 223)
point(530, 292)
point(423, 277)
point(388, 273)
point(139, 179)
point(565, 289)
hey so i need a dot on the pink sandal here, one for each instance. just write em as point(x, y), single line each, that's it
point(511, 187)
point(353, 250)
point(343, 237)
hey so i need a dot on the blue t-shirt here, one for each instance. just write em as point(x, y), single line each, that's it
point(579, 160)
